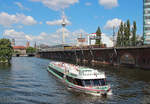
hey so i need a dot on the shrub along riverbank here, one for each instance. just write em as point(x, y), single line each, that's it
point(6, 51)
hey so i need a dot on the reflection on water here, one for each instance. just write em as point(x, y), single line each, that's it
point(26, 81)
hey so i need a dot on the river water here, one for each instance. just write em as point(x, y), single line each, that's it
point(26, 81)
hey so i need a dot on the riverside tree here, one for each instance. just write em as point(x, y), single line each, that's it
point(30, 50)
point(98, 34)
point(128, 30)
point(122, 34)
point(118, 38)
point(6, 50)
point(134, 29)
point(126, 36)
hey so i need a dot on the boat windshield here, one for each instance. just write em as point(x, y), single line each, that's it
point(95, 82)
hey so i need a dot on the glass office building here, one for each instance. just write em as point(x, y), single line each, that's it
point(146, 21)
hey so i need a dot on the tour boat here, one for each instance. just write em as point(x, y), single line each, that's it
point(79, 78)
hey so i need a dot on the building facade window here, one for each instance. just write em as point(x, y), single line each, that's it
point(147, 1)
point(146, 21)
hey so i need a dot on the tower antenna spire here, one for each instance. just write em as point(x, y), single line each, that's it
point(63, 26)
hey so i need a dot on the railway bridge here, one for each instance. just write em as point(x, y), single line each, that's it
point(129, 56)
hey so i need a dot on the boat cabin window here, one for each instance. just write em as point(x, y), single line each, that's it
point(96, 82)
point(57, 72)
point(79, 82)
point(87, 83)
point(103, 82)
point(70, 79)
point(74, 81)
point(99, 82)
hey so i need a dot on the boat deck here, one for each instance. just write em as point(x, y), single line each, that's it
point(80, 72)
point(67, 67)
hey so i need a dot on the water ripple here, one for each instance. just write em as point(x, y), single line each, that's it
point(26, 81)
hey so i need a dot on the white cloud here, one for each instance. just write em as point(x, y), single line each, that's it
point(88, 4)
point(14, 34)
point(21, 38)
point(109, 3)
point(8, 20)
point(20, 26)
point(43, 34)
point(55, 22)
point(58, 22)
point(79, 32)
point(57, 4)
point(21, 6)
point(43, 38)
point(28, 37)
point(26, 20)
point(106, 40)
point(66, 31)
point(112, 23)
point(72, 38)
point(50, 39)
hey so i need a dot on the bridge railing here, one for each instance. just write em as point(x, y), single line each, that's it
point(51, 49)
point(89, 48)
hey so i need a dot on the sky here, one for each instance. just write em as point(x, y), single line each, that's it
point(40, 20)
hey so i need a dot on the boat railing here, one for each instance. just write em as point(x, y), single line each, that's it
point(67, 67)
point(91, 73)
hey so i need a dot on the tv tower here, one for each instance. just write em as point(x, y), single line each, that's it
point(63, 27)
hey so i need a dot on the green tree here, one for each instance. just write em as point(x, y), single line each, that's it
point(125, 34)
point(6, 50)
point(118, 44)
point(134, 29)
point(128, 34)
point(122, 34)
point(98, 34)
point(30, 50)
